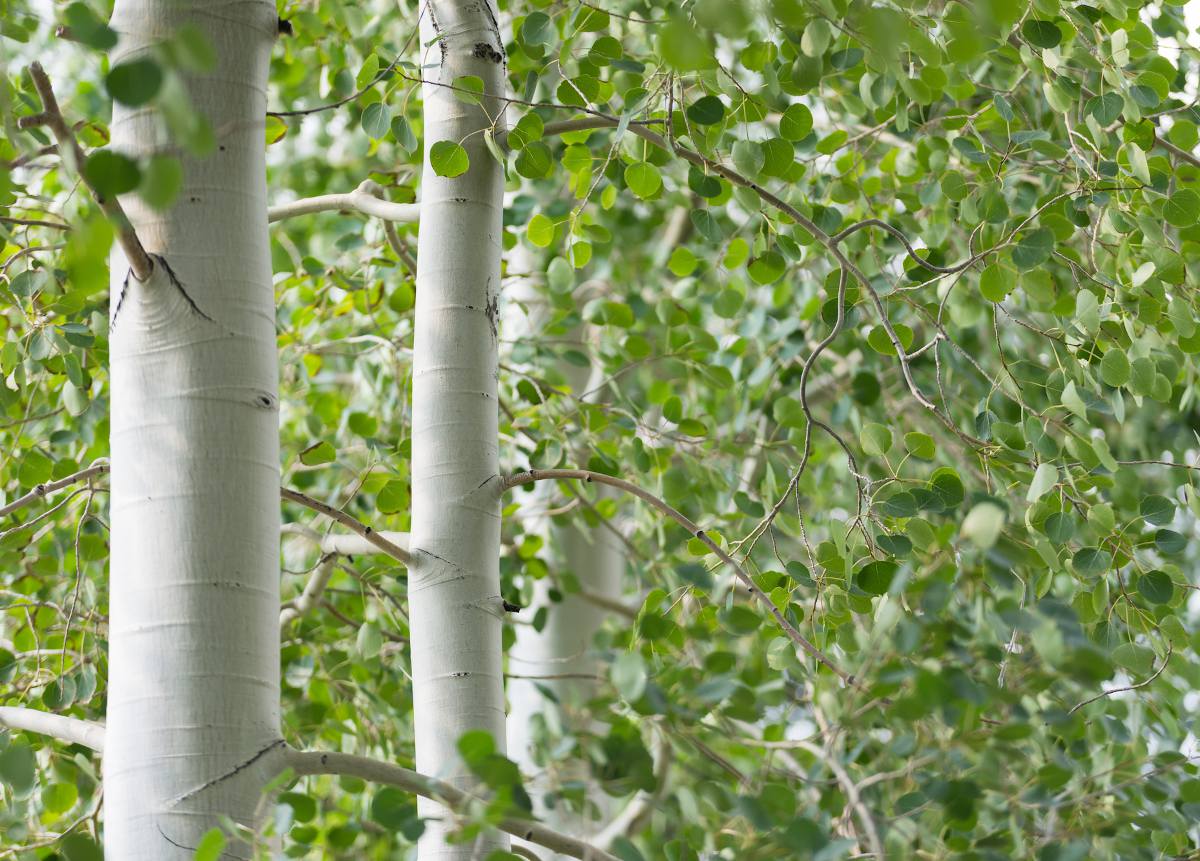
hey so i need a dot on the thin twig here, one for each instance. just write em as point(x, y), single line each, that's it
point(1141, 684)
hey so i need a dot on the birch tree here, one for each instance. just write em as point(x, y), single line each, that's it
point(864, 330)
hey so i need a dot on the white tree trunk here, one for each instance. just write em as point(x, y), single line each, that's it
point(193, 688)
point(454, 579)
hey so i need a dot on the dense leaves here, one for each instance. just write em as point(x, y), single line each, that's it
point(896, 300)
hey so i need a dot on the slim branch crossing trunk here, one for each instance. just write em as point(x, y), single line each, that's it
point(193, 689)
point(454, 579)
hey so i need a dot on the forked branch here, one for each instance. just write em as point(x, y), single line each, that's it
point(51, 117)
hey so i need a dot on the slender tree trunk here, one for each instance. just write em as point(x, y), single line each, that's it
point(193, 689)
point(454, 581)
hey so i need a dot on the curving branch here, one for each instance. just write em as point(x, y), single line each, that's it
point(139, 261)
point(313, 590)
point(366, 198)
point(364, 768)
point(66, 729)
point(600, 478)
point(370, 535)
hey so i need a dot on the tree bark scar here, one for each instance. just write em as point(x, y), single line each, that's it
point(437, 29)
point(174, 279)
point(492, 311)
point(112, 324)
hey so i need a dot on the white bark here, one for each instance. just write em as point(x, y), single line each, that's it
point(66, 729)
point(365, 199)
point(454, 580)
point(193, 689)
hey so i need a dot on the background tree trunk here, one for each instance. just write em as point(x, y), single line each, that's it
point(454, 581)
point(193, 689)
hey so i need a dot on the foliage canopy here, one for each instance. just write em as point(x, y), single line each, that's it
point(897, 300)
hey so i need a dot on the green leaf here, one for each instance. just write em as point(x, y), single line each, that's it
point(318, 453)
point(1114, 368)
point(996, 282)
point(875, 578)
point(1157, 510)
point(78, 846)
point(1091, 561)
point(211, 845)
point(535, 161)
point(538, 29)
point(88, 29)
point(18, 768)
point(111, 173)
point(920, 445)
point(1156, 587)
point(1044, 479)
point(796, 123)
point(540, 231)
point(1106, 108)
point(1034, 249)
point(876, 439)
point(768, 268)
point(629, 676)
point(1182, 208)
point(134, 82)
point(983, 524)
point(376, 120)
point(1043, 34)
point(448, 159)
point(643, 179)
point(683, 48)
point(706, 111)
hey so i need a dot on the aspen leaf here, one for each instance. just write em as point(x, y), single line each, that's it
point(134, 82)
point(448, 159)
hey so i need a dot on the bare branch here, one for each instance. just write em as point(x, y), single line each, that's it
point(345, 545)
point(139, 261)
point(396, 552)
point(696, 532)
point(66, 729)
point(316, 762)
point(365, 199)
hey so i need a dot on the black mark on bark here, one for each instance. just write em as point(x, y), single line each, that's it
point(484, 51)
point(492, 311)
point(237, 769)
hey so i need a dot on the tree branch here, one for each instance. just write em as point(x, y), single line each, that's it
point(66, 729)
point(698, 533)
point(364, 768)
point(370, 535)
point(42, 490)
point(313, 590)
point(139, 261)
point(365, 199)
point(345, 545)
